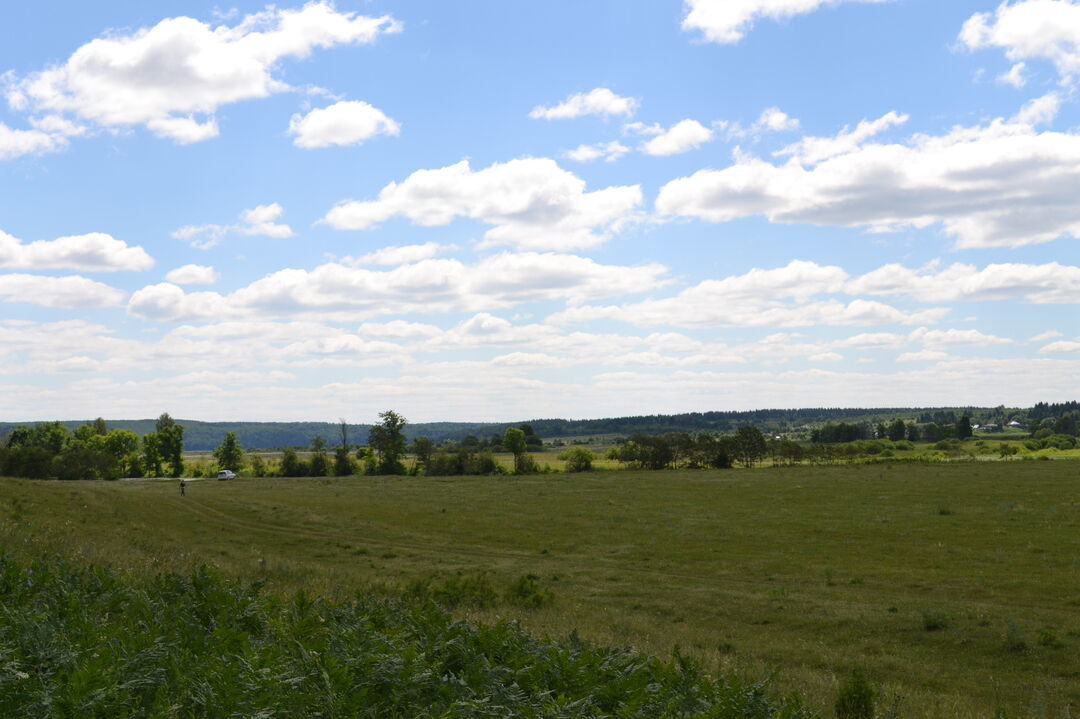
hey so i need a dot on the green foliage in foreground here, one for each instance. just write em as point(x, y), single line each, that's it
point(87, 642)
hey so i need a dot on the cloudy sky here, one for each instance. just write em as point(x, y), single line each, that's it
point(493, 210)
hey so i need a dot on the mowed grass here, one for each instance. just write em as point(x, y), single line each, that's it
point(954, 587)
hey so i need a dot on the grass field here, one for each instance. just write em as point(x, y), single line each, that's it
point(955, 587)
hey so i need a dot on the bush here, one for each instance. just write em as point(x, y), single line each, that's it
point(855, 698)
point(578, 459)
point(527, 592)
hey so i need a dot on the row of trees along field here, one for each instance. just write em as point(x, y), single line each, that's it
point(93, 451)
point(387, 451)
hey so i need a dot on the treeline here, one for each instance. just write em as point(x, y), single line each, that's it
point(895, 431)
point(203, 436)
point(387, 452)
point(92, 451)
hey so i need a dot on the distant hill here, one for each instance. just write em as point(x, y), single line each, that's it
point(200, 436)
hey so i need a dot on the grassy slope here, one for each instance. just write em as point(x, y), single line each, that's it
point(810, 571)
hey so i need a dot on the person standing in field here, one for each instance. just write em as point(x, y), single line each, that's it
point(183, 484)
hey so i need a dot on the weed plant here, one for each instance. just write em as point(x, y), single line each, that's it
point(83, 641)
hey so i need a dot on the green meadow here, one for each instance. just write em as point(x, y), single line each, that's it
point(954, 587)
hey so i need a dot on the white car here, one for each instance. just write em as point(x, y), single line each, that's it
point(226, 474)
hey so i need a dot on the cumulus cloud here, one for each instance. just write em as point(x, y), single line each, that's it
point(952, 337)
point(193, 275)
point(92, 252)
point(683, 136)
point(1000, 184)
point(73, 292)
point(1043, 336)
point(1027, 30)
point(781, 297)
point(173, 77)
point(1061, 347)
point(1050, 283)
point(399, 255)
point(343, 123)
point(15, 143)
point(532, 203)
point(775, 120)
point(1014, 77)
point(608, 151)
point(812, 150)
point(600, 101)
point(258, 221)
point(728, 21)
point(923, 356)
point(429, 286)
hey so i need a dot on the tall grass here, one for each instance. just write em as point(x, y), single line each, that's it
point(82, 641)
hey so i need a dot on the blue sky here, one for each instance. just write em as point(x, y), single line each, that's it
point(495, 211)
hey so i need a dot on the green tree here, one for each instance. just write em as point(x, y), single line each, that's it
point(749, 445)
point(319, 464)
point(257, 465)
point(171, 440)
point(387, 438)
point(229, 453)
point(516, 441)
point(423, 448)
point(897, 430)
point(963, 427)
point(151, 454)
point(291, 466)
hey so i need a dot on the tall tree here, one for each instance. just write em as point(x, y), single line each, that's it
point(897, 430)
point(229, 453)
point(749, 445)
point(423, 448)
point(320, 466)
point(171, 440)
point(514, 441)
point(387, 438)
point(963, 427)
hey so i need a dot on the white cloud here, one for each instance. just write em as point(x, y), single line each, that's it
point(608, 151)
point(1014, 77)
point(70, 292)
point(812, 150)
point(93, 252)
point(1000, 184)
point(15, 143)
point(193, 275)
point(952, 337)
point(694, 309)
point(600, 101)
point(173, 77)
point(681, 137)
point(727, 21)
point(343, 123)
point(1030, 29)
point(1049, 283)
point(399, 255)
point(1061, 347)
point(57, 125)
point(258, 221)
point(1048, 335)
point(923, 356)
point(532, 203)
point(774, 120)
point(429, 286)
